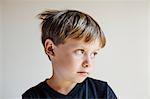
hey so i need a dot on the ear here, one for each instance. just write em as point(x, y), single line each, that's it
point(49, 47)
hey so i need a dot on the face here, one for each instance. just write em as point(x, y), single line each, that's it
point(73, 61)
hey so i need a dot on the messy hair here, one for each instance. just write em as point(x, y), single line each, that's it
point(61, 25)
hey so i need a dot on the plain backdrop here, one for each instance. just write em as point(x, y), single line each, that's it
point(0, 49)
point(123, 63)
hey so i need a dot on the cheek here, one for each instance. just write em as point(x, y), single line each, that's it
point(71, 61)
point(67, 60)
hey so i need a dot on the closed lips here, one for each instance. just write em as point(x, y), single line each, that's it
point(83, 72)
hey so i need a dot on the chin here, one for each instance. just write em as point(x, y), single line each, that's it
point(80, 80)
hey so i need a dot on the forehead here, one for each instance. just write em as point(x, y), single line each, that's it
point(73, 43)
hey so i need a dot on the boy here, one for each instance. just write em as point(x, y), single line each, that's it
point(71, 40)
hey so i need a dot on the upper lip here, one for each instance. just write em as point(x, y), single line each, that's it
point(83, 72)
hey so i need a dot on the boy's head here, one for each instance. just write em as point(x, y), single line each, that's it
point(60, 26)
point(71, 40)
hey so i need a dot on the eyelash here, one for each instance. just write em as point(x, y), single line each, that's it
point(82, 51)
point(95, 53)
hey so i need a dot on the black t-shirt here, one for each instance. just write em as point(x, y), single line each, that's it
point(89, 89)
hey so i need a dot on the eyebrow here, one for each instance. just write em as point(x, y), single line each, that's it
point(85, 48)
point(97, 49)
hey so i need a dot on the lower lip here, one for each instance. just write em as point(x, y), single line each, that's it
point(83, 73)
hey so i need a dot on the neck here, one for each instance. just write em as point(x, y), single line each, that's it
point(60, 85)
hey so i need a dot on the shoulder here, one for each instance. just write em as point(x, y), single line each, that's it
point(33, 91)
point(101, 87)
point(97, 82)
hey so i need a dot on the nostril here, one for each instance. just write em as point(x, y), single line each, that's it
point(84, 65)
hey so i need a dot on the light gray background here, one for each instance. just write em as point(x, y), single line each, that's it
point(124, 62)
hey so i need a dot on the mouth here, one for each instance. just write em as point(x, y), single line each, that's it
point(83, 73)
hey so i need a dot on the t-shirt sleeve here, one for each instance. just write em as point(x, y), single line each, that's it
point(110, 93)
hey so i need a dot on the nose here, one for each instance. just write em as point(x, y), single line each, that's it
point(87, 61)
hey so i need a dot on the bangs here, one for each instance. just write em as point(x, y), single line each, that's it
point(88, 34)
point(86, 29)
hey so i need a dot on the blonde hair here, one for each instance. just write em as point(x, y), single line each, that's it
point(61, 25)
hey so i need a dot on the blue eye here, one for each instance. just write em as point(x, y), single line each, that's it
point(79, 51)
point(94, 54)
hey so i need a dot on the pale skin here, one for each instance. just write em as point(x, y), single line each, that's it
point(72, 62)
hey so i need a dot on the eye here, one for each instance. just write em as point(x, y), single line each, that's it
point(94, 54)
point(79, 51)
